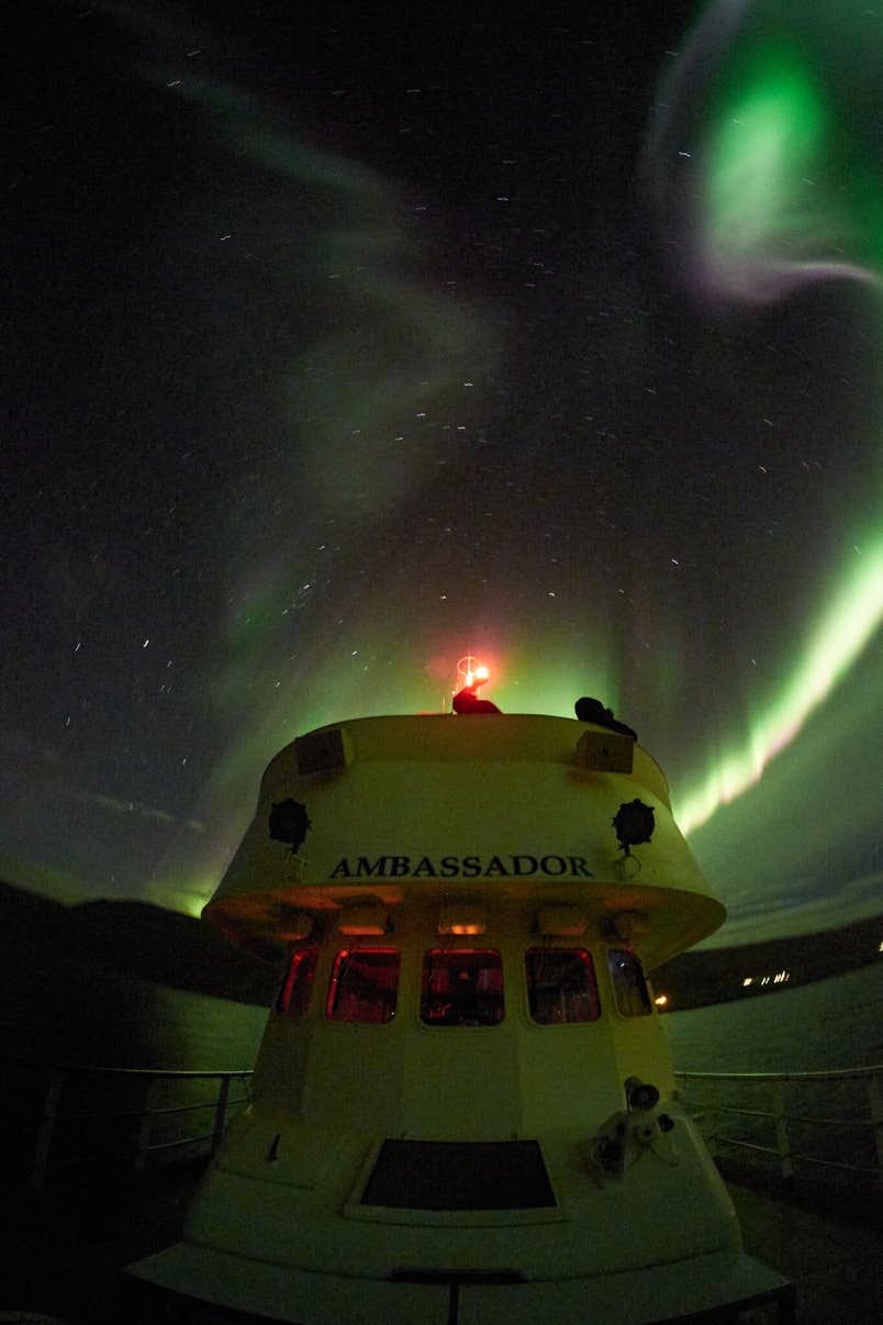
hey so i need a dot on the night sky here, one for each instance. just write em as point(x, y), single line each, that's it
point(342, 341)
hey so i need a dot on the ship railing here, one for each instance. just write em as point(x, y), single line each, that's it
point(67, 1119)
point(827, 1125)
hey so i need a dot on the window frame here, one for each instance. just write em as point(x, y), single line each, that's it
point(441, 1022)
point(642, 989)
point(336, 992)
point(292, 980)
point(592, 993)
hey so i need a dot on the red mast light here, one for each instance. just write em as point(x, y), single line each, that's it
point(471, 673)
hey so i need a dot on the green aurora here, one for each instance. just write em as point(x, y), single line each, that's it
point(398, 461)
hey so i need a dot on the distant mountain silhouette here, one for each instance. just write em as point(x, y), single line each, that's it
point(142, 940)
point(717, 975)
point(168, 948)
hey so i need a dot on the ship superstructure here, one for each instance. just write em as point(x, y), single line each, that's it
point(464, 1101)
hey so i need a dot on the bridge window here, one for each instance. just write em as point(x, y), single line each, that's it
point(364, 985)
point(629, 985)
point(561, 986)
point(462, 987)
point(294, 997)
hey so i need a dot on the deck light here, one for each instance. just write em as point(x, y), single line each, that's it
point(366, 920)
point(462, 918)
point(561, 921)
point(295, 926)
point(631, 925)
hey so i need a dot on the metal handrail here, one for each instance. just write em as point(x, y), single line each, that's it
point(61, 1077)
point(708, 1114)
point(95, 1069)
point(834, 1074)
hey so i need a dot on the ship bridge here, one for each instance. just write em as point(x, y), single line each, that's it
point(501, 811)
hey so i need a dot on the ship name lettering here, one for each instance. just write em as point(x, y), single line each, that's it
point(459, 867)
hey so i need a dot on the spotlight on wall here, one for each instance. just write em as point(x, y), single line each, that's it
point(640, 1095)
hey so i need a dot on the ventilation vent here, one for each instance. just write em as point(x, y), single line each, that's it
point(321, 752)
point(608, 751)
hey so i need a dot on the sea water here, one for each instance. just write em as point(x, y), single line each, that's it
point(830, 1024)
point(67, 1012)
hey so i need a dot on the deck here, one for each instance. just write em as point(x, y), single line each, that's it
point(71, 1229)
point(71, 1244)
